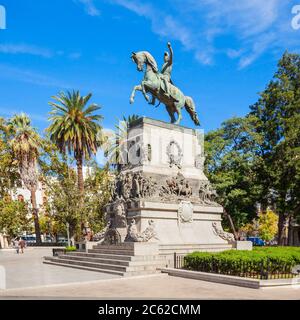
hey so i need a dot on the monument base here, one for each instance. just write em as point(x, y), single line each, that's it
point(179, 223)
point(243, 245)
point(163, 196)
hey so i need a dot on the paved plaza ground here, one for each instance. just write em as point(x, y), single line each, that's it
point(27, 277)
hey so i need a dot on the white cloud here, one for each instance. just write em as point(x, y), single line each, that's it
point(12, 48)
point(169, 27)
point(248, 17)
point(258, 47)
point(254, 27)
point(28, 76)
point(25, 49)
point(90, 7)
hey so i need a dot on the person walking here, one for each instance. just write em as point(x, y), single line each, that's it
point(22, 245)
point(16, 245)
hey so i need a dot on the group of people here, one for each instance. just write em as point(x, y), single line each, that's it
point(19, 244)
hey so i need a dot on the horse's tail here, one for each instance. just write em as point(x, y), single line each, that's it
point(191, 109)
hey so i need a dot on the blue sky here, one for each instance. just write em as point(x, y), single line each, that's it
point(225, 53)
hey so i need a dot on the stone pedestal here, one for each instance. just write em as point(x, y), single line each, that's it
point(141, 248)
point(178, 223)
point(162, 195)
point(243, 245)
point(84, 245)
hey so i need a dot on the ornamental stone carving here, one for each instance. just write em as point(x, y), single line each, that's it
point(176, 187)
point(109, 235)
point(185, 212)
point(112, 236)
point(174, 154)
point(133, 186)
point(119, 212)
point(134, 236)
point(207, 194)
point(218, 230)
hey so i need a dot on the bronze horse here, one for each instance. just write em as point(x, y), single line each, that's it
point(153, 84)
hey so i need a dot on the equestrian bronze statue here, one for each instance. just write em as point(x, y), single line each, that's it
point(160, 86)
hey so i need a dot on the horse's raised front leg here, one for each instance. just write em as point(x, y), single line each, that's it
point(144, 91)
point(135, 88)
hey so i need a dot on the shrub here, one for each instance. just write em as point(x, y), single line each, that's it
point(270, 259)
point(70, 248)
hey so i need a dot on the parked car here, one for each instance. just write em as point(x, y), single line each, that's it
point(47, 239)
point(256, 241)
point(29, 239)
point(62, 240)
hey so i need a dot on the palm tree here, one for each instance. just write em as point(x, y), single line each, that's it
point(75, 128)
point(25, 143)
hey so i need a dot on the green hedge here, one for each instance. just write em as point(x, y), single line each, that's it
point(260, 259)
point(70, 248)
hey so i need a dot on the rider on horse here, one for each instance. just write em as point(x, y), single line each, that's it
point(159, 85)
point(166, 70)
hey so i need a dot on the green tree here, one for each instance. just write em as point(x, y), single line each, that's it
point(26, 143)
point(13, 216)
point(256, 159)
point(268, 225)
point(74, 128)
point(9, 173)
point(63, 195)
point(63, 205)
point(277, 118)
point(230, 166)
point(97, 187)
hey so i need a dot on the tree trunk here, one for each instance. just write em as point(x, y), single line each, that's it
point(282, 238)
point(228, 216)
point(79, 162)
point(280, 228)
point(290, 235)
point(35, 217)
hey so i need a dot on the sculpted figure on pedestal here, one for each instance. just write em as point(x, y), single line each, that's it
point(160, 86)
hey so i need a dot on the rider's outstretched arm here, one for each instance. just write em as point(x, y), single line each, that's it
point(170, 62)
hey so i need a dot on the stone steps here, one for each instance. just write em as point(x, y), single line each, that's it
point(116, 256)
point(102, 267)
point(122, 274)
point(124, 246)
point(123, 260)
point(112, 251)
point(77, 266)
point(115, 261)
